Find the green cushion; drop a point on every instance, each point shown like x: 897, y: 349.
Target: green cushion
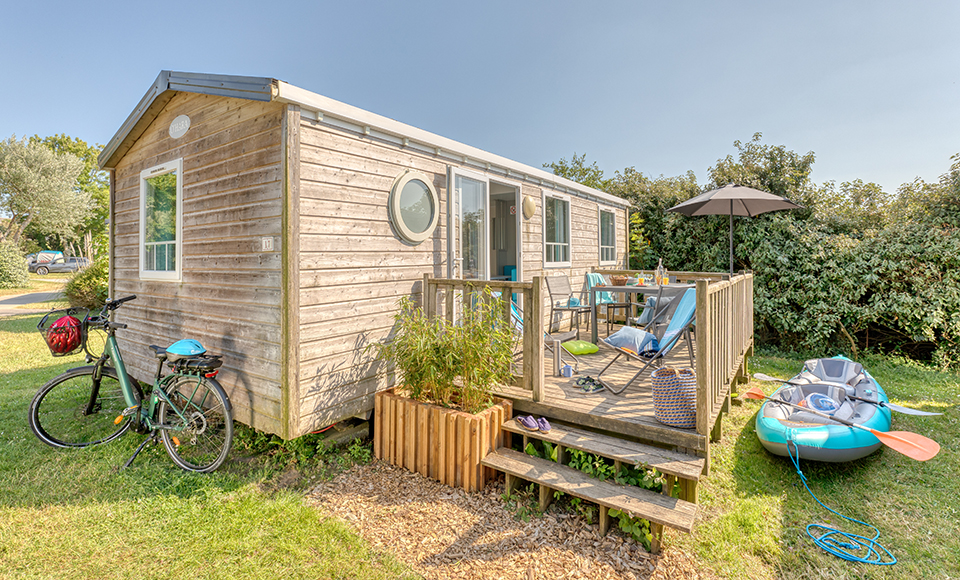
x: 580, y: 347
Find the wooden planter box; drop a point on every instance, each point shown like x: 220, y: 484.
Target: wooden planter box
x: 437, y: 442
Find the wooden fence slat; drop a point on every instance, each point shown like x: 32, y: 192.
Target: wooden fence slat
x: 410, y: 437
x: 451, y: 454
x: 377, y: 424
x: 422, y: 439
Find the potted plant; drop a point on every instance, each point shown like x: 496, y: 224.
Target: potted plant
x: 442, y: 418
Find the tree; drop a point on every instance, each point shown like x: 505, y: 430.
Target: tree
x: 578, y: 170
x: 37, y: 188
x: 93, y: 232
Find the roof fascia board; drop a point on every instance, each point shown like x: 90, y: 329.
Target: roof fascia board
x: 429, y: 142
x: 160, y: 93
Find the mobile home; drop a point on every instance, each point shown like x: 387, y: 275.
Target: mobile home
x: 280, y: 228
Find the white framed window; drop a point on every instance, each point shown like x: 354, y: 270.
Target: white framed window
x: 608, y: 237
x: 161, y: 221
x: 556, y: 230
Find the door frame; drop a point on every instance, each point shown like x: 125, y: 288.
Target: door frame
x: 455, y: 219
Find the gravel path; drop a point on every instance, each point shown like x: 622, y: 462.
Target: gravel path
x: 441, y: 532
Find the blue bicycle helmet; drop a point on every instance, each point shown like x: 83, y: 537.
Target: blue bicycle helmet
x: 184, y: 348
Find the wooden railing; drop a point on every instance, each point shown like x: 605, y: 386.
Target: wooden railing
x: 724, y: 330
x: 444, y: 296
x: 724, y: 339
x: 724, y: 336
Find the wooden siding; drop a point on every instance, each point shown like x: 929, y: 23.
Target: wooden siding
x: 585, y: 240
x: 230, y: 294
x: 353, y: 266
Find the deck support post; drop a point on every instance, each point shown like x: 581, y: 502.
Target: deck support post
x: 717, y: 432
x: 604, y: 520
x: 546, y: 496
x: 656, y: 530
x: 510, y: 484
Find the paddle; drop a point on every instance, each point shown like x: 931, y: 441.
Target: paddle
x: 891, y: 406
x: 912, y: 445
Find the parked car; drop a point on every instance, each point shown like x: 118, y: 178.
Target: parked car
x: 59, y: 265
x: 43, y: 256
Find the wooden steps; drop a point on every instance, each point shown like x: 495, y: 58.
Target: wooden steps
x: 676, y: 466
x: 659, y: 509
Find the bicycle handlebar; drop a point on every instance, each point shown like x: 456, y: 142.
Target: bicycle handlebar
x: 114, y: 304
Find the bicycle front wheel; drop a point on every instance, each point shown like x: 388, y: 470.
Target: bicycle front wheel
x: 197, y: 429
x: 73, y: 410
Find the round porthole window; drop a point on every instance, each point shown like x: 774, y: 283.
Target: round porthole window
x: 414, y: 206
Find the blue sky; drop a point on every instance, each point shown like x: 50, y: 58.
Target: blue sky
x: 665, y: 87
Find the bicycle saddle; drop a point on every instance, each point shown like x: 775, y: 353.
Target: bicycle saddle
x: 182, y: 349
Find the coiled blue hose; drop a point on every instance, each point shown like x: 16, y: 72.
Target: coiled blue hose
x: 842, y: 544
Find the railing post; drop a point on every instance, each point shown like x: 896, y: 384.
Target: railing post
x: 704, y: 347
x: 429, y: 297
x: 533, y: 340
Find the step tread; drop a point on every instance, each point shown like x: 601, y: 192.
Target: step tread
x: 649, y: 505
x: 670, y: 462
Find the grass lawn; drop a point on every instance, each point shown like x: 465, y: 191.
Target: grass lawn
x: 73, y: 514
x: 756, y: 508
x: 48, y: 283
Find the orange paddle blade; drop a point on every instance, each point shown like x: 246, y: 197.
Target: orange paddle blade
x: 753, y: 393
x: 913, y: 445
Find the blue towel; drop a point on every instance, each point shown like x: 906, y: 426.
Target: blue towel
x: 594, y: 280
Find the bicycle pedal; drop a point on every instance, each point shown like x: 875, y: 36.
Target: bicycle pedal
x: 125, y: 413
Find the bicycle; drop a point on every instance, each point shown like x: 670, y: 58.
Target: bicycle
x: 187, y: 409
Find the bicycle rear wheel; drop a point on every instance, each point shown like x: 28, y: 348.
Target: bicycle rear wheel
x: 197, y: 430
x: 59, y: 412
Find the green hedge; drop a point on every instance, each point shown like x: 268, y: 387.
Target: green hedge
x: 896, y: 289
x: 856, y: 268
x: 13, y: 267
x: 88, y: 287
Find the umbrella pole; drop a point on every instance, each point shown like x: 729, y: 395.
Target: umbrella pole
x: 731, y: 237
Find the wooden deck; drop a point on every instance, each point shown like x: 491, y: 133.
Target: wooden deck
x: 628, y: 414
x: 724, y: 341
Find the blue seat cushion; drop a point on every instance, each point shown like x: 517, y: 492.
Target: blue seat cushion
x: 634, y: 340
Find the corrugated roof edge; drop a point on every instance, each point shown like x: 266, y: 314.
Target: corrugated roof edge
x: 267, y: 89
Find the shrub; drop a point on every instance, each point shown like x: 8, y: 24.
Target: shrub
x: 13, y: 268
x: 88, y: 288
x: 453, y: 365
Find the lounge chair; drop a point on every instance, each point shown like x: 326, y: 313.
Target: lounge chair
x: 681, y: 313
x: 563, y: 300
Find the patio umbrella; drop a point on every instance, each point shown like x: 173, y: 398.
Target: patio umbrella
x: 733, y: 200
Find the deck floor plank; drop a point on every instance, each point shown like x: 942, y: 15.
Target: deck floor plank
x: 629, y: 413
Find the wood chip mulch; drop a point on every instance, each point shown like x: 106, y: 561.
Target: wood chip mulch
x: 441, y: 532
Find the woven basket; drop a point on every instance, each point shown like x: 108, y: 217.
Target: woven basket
x: 675, y: 397
x: 618, y: 280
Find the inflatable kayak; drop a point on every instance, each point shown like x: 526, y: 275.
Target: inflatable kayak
x: 826, y: 385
